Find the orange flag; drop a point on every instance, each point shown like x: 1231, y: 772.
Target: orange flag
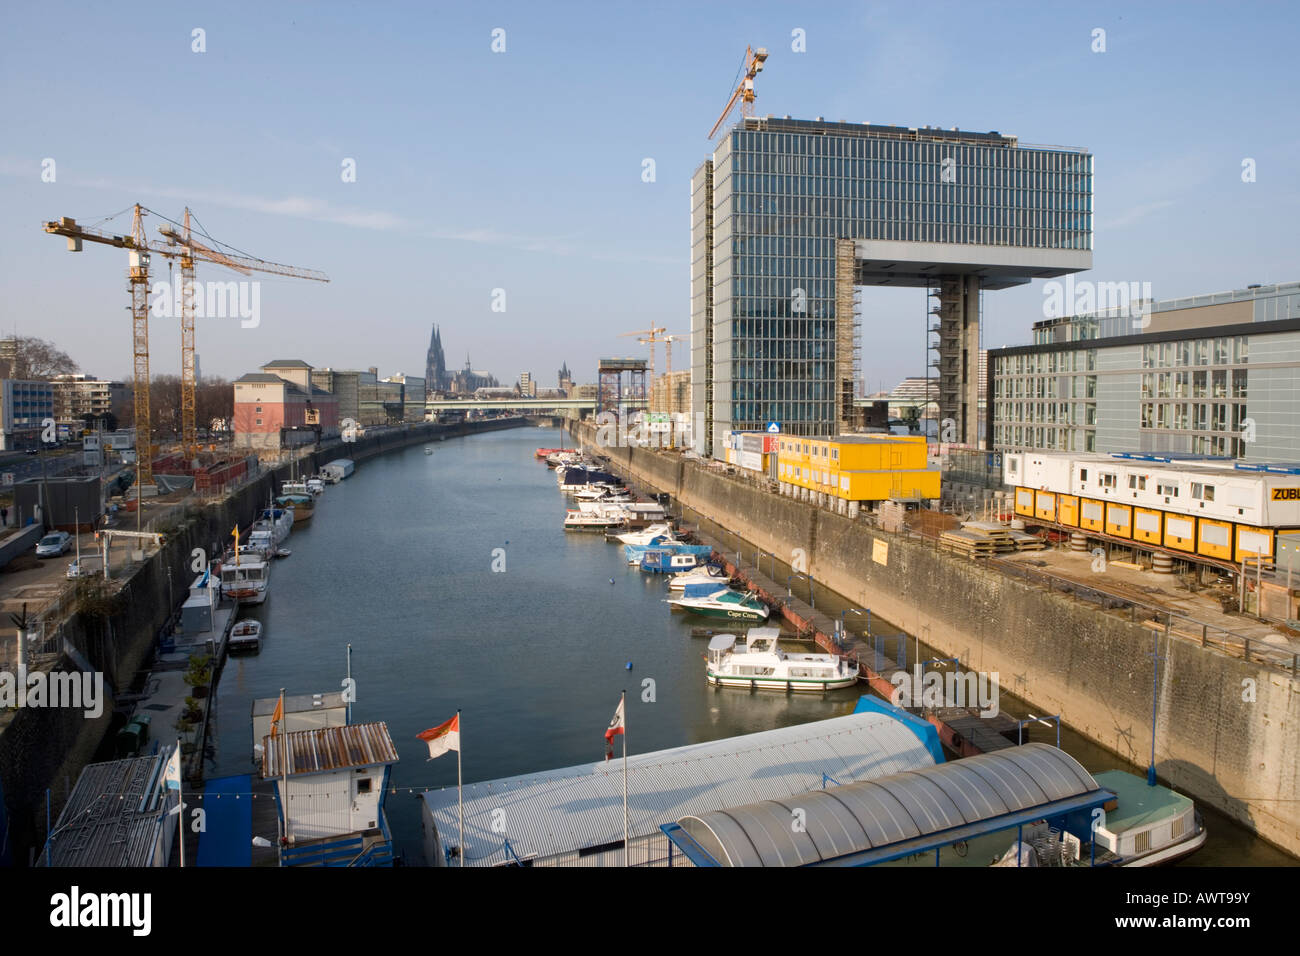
x: 277, y: 716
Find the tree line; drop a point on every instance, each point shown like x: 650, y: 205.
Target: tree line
x: 32, y: 359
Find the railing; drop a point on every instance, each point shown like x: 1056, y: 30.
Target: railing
x: 350, y: 851
x: 1179, y: 625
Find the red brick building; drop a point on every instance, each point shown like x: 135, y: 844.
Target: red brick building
x: 279, y: 407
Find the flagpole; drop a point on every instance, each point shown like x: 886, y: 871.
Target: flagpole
x: 284, y: 773
x: 460, y: 793
x: 627, y: 850
x: 180, y: 798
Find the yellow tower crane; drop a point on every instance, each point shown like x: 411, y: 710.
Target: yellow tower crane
x: 191, y: 249
x: 654, y: 336
x: 744, y: 93
x: 182, y: 246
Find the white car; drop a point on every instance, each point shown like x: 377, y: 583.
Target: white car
x: 54, y: 545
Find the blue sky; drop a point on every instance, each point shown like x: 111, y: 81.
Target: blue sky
x: 522, y: 170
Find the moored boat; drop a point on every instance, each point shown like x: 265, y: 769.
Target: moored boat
x: 650, y: 535
x: 246, y: 635
x: 759, y: 663
x: 590, y: 521
x: 669, y: 561
x: 337, y: 470
x: 635, y: 552
x: 1146, y: 825
x: 703, y: 574
x: 279, y: 521
x: 245, y: 578
x: 301, y: 504
x: 708, y: 600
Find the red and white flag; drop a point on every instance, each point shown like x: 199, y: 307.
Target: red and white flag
x: 444, y: 737
x: 615, y: 728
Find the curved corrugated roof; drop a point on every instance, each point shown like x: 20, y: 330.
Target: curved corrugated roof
x: 559, y: 811
x: 872, y: 814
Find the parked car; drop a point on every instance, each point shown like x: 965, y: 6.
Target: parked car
x: 54, y: 545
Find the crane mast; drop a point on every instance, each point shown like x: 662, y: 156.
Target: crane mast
x: 180, y: 245
x: 744, y: 93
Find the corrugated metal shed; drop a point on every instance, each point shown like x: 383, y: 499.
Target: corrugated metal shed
x: 329, y: 748
x: 116, y: 816
x: 574, y: 808
x: 878, y: 815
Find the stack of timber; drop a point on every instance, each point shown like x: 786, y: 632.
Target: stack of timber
x: 979, y: 539
x: 1027, y: 542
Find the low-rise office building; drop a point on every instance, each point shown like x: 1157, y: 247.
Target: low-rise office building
x: 1207, y: 375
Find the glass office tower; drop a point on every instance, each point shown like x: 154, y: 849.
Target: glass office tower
x: 768, y: 294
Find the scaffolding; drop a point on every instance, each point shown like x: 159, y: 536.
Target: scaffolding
x: 848, y: 334
x: 613, y: 392
x: 956, y: 356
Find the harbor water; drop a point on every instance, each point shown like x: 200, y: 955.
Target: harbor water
x: 451, y: 577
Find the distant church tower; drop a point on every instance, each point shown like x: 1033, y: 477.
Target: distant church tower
x: 435, y: 365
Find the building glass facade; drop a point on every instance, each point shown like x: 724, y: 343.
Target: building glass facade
x: 1184, y: 388
x: 783, y: 192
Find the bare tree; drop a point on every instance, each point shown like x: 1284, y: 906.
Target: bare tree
x: 24, y: 357
x: 214, y: 400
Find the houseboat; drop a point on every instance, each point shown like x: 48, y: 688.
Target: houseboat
x: 708, y: 600
x: 245, y: 578
x: 337, y: 470
x: 760, y: 664
x: 591, y: 521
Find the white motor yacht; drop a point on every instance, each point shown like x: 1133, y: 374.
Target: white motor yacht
x: 760, y: 663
